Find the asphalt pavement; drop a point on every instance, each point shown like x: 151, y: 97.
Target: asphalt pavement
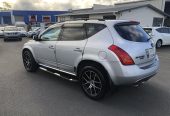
x: 44, y: 94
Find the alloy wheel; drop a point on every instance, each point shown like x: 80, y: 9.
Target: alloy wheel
x: 91, y: 83
x: 27, y: 60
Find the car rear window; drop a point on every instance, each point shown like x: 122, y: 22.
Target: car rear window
x: 163, y: 30
x: 131, y: 32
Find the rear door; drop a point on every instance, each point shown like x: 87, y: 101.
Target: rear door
x: 135, y: 41
x: 70, y: 47
x: 165, y: 35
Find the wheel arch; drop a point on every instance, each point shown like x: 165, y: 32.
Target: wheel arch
x: 160, y: 40
x: 96, y: 64
x: 30, y: 49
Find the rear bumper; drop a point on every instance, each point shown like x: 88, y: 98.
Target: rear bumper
x: 1, y: 35
x: 122, y: 75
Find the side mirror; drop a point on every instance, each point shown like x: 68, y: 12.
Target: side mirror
x: 36, y: 38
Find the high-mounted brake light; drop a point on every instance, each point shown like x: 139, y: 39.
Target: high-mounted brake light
x: 123, y: 56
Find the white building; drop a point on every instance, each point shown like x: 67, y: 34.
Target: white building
x: 146, y: 14
x: 160, y: 4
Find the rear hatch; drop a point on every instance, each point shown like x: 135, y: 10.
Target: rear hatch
x: 136, y: 42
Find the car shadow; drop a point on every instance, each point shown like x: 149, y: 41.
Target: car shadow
x: 12, y: 41
x: 149, y: 97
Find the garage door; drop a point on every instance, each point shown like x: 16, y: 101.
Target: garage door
x: 19, y: 18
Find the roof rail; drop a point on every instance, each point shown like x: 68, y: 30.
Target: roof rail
x: 85, y: 19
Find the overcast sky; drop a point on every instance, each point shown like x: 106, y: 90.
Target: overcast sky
x: 57, y: 4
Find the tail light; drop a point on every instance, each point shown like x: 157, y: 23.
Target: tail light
x: 122, y: 55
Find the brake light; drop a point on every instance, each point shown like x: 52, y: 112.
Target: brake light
x: 122, y: 55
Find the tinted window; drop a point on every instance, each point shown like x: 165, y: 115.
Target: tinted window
x: 51, y: 34
x: 163, y: 30
x: 132, y: 32
x: 148, y: 30
x: 73, y: 33
x: 92, y: 29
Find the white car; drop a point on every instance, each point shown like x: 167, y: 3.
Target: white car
x: 12, y: 33
x: 160, y: 35
x: 1, y: 31
x: 22, y: 31
x: 33, y: 32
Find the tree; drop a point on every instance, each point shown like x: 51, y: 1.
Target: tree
x: 5, y: 6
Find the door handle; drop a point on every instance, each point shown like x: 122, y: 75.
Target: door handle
x: 77, y: 50
x: 51, y: 47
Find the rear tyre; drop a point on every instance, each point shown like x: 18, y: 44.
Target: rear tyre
x: 29, y: 62
x: 93, y: 82
x: 159, y: 44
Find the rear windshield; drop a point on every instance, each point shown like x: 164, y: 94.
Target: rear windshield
x: 11, y: 29
x: 132, y: 32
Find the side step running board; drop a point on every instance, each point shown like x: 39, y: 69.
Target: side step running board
x: 64, y: 76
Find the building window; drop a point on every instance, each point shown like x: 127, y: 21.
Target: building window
x: 33, y: 18
x: 62, y: 19
x: 157, y: 22
x: 110, y: 17
x: 80, y: 17
x: 46, y: 19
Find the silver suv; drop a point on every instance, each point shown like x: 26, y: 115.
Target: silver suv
x: 101, y: 54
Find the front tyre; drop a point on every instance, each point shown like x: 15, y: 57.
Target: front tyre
x: 29, y: 61
x: 93, y: 82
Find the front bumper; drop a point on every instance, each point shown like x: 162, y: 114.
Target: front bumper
x: 12, y: 37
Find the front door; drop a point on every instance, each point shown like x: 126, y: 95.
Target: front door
x: 45, y: 48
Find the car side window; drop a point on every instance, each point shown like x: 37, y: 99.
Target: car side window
x: 163, y: 30
x: 92, y: 29
x: 72, y: 33
x: 51, y: 34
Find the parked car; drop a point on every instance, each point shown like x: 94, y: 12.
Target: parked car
x: 101, y: 54
x: 34, y: 32
x: 22, y: 31
x: 160, y: 35
x: 1, y: 31
x: 12, y: 33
